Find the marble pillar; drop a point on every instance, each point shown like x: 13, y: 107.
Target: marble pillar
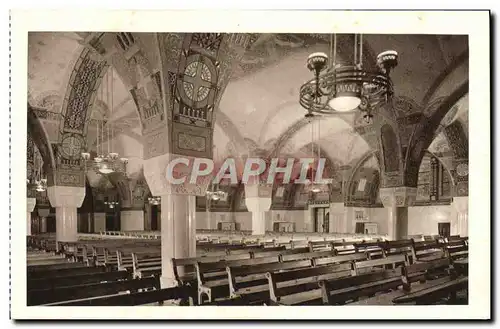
x: 30, y: 206
x: 99, y: 222
x: 258, y: 202
x: 66, y: 200
x: 132, y: 220
x: 460, y: 216
x: 397, y: 200
x: 177, y: 216
x: 338, y: 218
x: 178, y: 232
x: 43, y: 213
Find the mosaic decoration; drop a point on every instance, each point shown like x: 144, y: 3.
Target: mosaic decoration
x: 457, y: 140
x: 389, y: 148
x: 82, y: 87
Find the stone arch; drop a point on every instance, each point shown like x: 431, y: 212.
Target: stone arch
x: 390, y: 148
x: 356, y: 166
x: 445, y: 166
x: 41, y: 139
x: 424, y: 133
x: 80, y: 94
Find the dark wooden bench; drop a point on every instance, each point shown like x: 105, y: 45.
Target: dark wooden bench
x: 390, y: 262
x: 435, y: 293
x: 72, y: 280
x: 371, y: 248
x: 286, y: 257
x: 49, y: 273
x: 344, y: 290
x: 356, y: 257
x: 301, y: 287
x: 398, y: 247
x: 427, y: 250
x: 213, y: 280
x: 250, y: 282
x: 60, y: 294
x: 146, y: 263
x: 139, y: 298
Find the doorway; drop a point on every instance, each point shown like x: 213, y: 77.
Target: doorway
x: 444, y: 229
x: 322, y: 220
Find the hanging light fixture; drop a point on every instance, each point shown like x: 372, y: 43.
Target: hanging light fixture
x: 111, y: 204
x: 215, y: 194
x: 343, y: 88
x: 106, y: 164
x: 156, y: 200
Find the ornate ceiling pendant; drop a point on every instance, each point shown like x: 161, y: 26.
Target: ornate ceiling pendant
x: 154, y: 201
x: 345, y: 88
x: 110, y: 163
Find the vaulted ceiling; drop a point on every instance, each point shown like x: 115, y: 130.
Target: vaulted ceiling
x: 260, y: 106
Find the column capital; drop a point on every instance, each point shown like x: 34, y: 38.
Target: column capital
x: 30, y: 204
x: 401, y: 196
x: 461, y: 203
x: 264, y: 191
x: 43, y: 212
x: 66, y: 196
x: 155, y: 172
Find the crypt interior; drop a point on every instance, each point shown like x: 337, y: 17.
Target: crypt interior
x: 108, y: 111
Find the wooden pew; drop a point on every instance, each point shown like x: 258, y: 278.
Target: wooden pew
x: 351, y: 258
x: 344, y: 290
x: 98, y: 289
x: 250, y: 284
x: 398, y: 247
x: 213, y: 280
x: 390, y: 262
x: 435, y: 293
x: 301, y: 287
x: 286, y: 257
x: 72, y: 280
x: 157, y: 296
x: 49, y: 273
x: 426, y: 250
x: 371, y: 248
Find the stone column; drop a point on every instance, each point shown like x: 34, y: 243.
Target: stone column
x: 30, y: 206
x: 132, y: 220
x: 66, y: 199
x: 258, y: 202
x: 43, y: 213
x: 178, y: 215
x: 178, y: 232
x: 99, y: 222
x: 338, y: 218
x: 397, y: 200
x: 460, y: 216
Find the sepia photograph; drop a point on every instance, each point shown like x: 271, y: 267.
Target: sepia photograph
x: 250, y: 167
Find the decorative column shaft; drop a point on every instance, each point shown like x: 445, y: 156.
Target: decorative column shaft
x: 178, y: 214
x: 258, y: 201
x: 178, y: 232
x: 43, y: 213
x: 66, y: 200
x: 132, y: 220
x: 460, y: 220
x: 397, y: 200
x: 30, y: 206
x: 338, y: 218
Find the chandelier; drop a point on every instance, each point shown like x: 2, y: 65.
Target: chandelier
x: 111, y: 204
x: 344, y: 88
x: 156, y: 200
x: 215, y: 194
x: 105, y: 164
